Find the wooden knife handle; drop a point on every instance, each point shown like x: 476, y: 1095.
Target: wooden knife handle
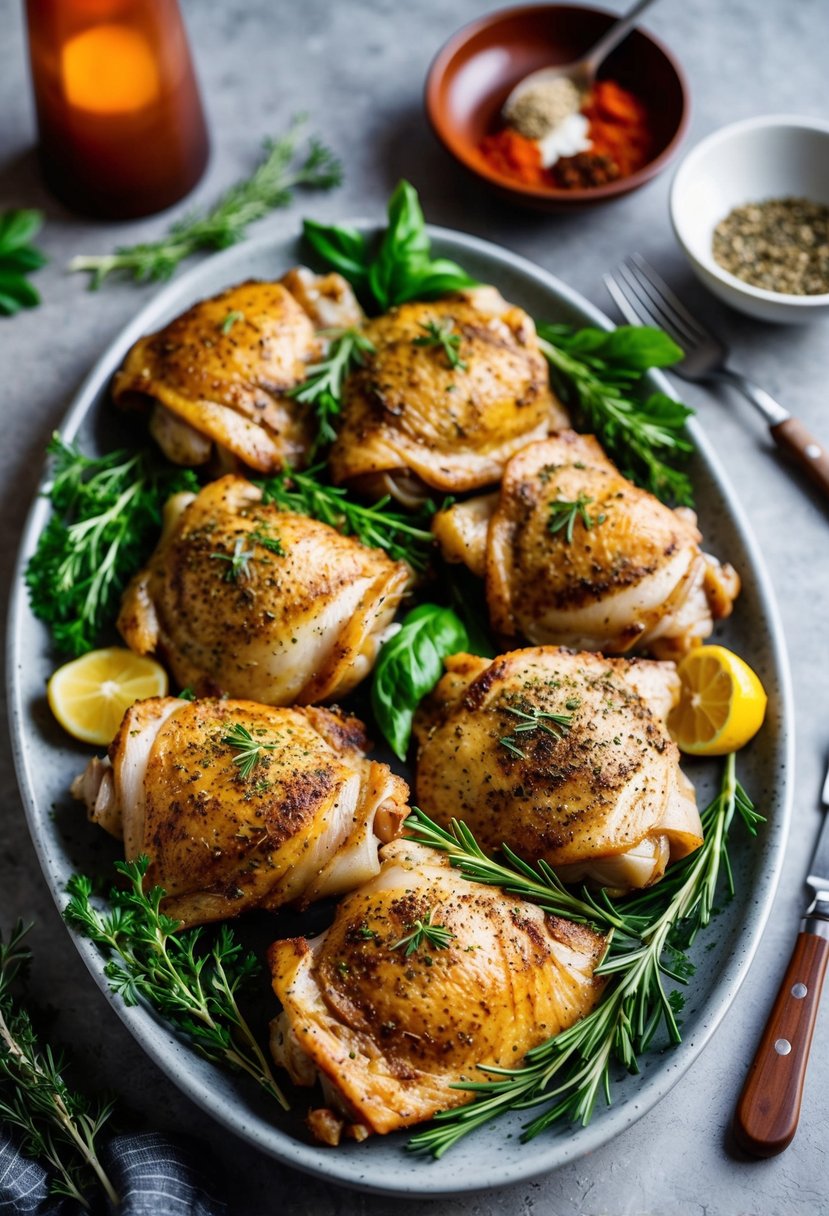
x: 769, y: 1107
x: 807, y: 451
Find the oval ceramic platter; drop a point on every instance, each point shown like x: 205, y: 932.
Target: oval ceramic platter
x: 47, y: 760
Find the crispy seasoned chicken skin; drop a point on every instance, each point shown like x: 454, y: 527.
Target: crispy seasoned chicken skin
x: 305, y: 822
x: 215, y: 378
x: 411, y: 422
x: 598, y: 796
x: 388, y: 1032
x: 635, y: 579
x: 244, y: 599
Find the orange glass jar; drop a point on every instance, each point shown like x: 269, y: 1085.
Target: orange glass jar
x: 122, y: 129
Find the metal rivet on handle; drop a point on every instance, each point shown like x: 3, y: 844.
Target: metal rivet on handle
x: 799, y: 991
x: 812, y: 451
x: 782, y: 1047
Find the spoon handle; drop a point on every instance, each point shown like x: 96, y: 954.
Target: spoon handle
x: 593, y: 59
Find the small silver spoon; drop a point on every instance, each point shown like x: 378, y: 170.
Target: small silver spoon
x: 583, y: 71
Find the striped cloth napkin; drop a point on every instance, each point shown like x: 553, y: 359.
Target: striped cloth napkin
x: 153, y: 1174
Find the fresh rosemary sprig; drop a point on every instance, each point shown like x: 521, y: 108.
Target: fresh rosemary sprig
x: 563, y: 516
x: 567, y: 1073
x: 230, y: 320
x: 599, y: 373
x: 238, y: 562
x: 18, y: 258
x: 271, y: 185
x: 535, y: 719
x: 192, y: 985
x: 323, y: 388
x: 249, y: 750
x: 424, y: 931
x: 441, y: 334
x: 57, y: 1125
x: 404, y: 537
x: 106, y: 512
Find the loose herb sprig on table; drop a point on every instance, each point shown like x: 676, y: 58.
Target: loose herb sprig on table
x: 402, y: 267
x: 57, y: 1125
x: 106, y: 512
x: 18, y: 258
x: 323, y: 386
x: 191, y: 983
x: 404, y: 537
x: 567, y: 1073
x: 599, y: 373
x: 271, y: 185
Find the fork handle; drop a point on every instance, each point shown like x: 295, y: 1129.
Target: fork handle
x: 769, y: 1107
x: 793, y: 438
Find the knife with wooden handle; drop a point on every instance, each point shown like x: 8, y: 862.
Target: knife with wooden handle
x: 769, y: 1107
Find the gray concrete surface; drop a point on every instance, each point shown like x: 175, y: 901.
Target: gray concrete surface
x: 359, y: 67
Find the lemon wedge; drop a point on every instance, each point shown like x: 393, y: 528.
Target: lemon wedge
x: 721, y: 703
x: 90, y: 695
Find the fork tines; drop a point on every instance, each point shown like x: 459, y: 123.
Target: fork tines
x: 637, y: 288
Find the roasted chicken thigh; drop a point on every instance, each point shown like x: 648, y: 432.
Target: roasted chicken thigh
x: 244, y: 599
x: 389, y: 1020
x: 302, y: 819
x: 563, y: 757
x: 453, y: 389
x: 215, y: 378
x: 575, y: 555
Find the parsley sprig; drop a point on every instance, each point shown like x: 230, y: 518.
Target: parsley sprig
x: 271, y: 185
x: 106, y: 512
x: 191, y: 984
x: 57, y: 1125
x: 323, y: 387
x: 249, y: 749
x: 649, y: 932
x: 423, y: 930
x: 404, y: 537
x: 599, y: 373
x: 18, y: 258
x: 563, y: 516
x: 441, y: 334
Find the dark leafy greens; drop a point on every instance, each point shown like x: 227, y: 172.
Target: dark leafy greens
x: 18, y: 258
x: 401, y: 268
x: 409, y: 667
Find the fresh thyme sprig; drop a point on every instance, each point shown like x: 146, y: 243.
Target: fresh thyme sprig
x: 106, y: 512
x: 404, y: 537
x: 535, y: 719
x: 238, y: 562
x: 190, y: 983
x: 423, y: 930
x: 323, y: 388
x: 567, y: 1073
x: 563, y: 516
x: 249, y: 750
x: 57, y: 1125
x: 599, y: 374
x: 442, y: 334
x: 271, y: 185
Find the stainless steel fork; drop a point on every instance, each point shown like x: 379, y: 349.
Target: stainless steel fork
x: 643, y: 298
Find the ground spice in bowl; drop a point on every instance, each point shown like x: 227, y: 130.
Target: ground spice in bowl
x: 779, y: 244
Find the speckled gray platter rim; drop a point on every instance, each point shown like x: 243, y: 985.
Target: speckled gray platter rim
x: 493, y: 1156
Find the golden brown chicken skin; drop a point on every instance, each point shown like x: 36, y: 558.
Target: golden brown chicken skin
x: 412, y: 422
x: 621, y: 572
x: 215, y: 378
x: 304, y: 821
x: 565, y: 758
x: 245, y: 599
x: 388, y: 1028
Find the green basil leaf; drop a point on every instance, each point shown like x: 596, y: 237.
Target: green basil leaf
x: 18, y: 227
x: 343, y: 248
x: 8, y: 305
x: 24, y: 259
x: 633, y: 348
x: 408, y: 668
x: 19, y: 288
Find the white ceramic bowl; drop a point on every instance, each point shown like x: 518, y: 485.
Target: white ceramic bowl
x: 774, y: 156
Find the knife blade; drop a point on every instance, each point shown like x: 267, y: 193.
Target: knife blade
x: 768, y: 1110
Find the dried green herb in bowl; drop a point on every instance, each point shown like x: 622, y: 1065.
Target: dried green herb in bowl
x: 779, y: 244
